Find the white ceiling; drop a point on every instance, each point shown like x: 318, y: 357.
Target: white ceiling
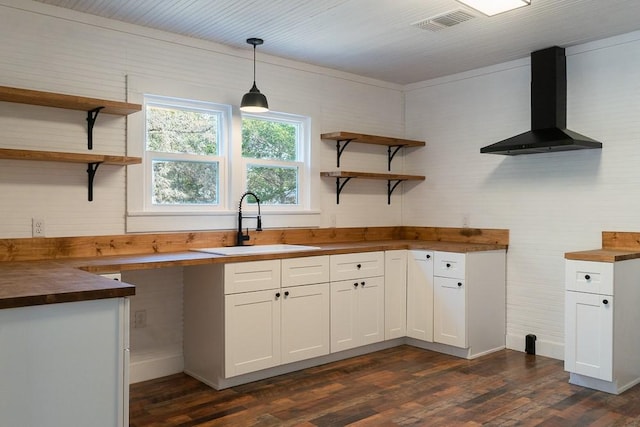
x: 376, y: 38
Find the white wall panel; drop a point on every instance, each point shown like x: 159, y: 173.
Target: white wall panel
x: 551, y: 203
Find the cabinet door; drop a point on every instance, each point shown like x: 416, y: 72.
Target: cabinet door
x: 344, y: 334
x: 252, y: 331
x: 370, y: 310
x: 420, y: 295
x: 305, y: 322
x: 395, y: 290
x: 589, y: 335
x: 449, y: 312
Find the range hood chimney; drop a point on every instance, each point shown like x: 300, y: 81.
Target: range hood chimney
x: 548, y: 111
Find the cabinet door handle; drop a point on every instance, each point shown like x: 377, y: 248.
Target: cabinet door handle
x: 362, y: 283
x: 286, y: 293
x: 448, y: 265
x: 359, y: 266
x: 277, y: 295
x: 428, y: 256
x: 605, y: 301
x: 459, y: 284
x: 587, y: 277
x: 355, y: 285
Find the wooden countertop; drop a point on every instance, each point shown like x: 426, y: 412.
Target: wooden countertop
x: 603, y: 255
x: 30, y: 283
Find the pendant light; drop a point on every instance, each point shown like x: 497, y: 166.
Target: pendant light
x: 254, y: 101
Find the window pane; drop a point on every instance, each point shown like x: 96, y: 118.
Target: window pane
x: 274, y: 185
x: 182, y: 131
x: 269, y: 139
x: 180, y: 182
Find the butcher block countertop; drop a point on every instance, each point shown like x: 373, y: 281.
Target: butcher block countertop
x: 59, y: 280
x: 616, y: 246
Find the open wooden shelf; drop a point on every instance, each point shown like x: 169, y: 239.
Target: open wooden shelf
x: 371, y: 175
x: 372, y: 139
x: 69, y: 102
x: 55, y: 156
x: 342, y: 177
x: 91, y: 106
x: 394, y: 144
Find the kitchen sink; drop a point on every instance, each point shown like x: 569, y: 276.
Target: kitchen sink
x: 256, y: 249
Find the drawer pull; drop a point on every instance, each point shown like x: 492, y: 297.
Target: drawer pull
x: 459, y: 284
x: 359, y: 266
x: 428, y: 256
x: 448, y: 265
x: 605, y: 301
x: 587, y: 277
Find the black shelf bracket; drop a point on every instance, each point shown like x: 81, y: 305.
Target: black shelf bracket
x: 340, y: 149
x: 391, y: 155
x: 391, y: 188
x: 91, y: 171
x: 339, y: 187
x: 92, y: 115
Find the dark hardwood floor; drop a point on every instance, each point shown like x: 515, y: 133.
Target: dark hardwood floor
x: 402, y: 386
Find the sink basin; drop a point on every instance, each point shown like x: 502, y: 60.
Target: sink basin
x: 257, y: 249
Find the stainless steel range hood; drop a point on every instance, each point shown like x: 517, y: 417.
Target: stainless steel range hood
x: 548, y: 111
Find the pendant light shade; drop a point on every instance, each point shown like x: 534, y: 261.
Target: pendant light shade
x: 254, y: 101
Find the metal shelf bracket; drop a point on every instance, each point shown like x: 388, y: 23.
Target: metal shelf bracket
x: 340, y: 149
x: 391, y: 188
x: 339, y: 188
x: 391, y: 155
x: 92, y: 168
x: 92, y: 115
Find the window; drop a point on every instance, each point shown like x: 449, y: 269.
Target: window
x: 184, y: 143
x: 273, y: 158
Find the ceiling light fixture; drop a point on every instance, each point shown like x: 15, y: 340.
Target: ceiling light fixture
x: 493, y: 7
x: 254, y: 101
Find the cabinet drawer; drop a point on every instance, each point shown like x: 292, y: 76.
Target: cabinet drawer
x: 589, y: 276
x: 355, y: 266
x: 449, y: 264
x: 305, y: 271
x: 251, y: 276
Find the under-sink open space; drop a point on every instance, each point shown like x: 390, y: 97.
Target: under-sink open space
x: 256, y: 249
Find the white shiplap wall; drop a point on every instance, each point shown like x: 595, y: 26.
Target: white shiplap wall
x: 57, y: 50
x: 551, y: 203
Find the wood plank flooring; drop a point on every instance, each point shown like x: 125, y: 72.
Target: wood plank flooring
x: 402, y: 386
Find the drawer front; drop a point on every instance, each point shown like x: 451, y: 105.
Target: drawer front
x: 305, y: 271
x: 251, y: 276
x: 355, y: 266
x: 589, y: 276
x: 449, y: 264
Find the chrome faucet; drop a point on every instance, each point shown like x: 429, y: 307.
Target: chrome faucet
x: 241, y: 237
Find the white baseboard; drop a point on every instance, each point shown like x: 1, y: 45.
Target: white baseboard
x: 545, y: 348
x: 155, y: 367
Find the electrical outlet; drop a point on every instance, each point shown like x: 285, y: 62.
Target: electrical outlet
x: 37, y: 227
x: 140, y: 319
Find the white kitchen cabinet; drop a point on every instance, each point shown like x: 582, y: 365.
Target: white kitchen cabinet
x: 420, y: 295
x: 239, y: 319
x: 602, y: 338
x: 357, y: 301
x: 357, y: 313
x: 65, y: 364
x: 395, y: 294
x: 252, y: 331
x: 469, y: 301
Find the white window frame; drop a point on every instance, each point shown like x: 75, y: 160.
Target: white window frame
x: 224, y: 112
x: 302, y: 163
